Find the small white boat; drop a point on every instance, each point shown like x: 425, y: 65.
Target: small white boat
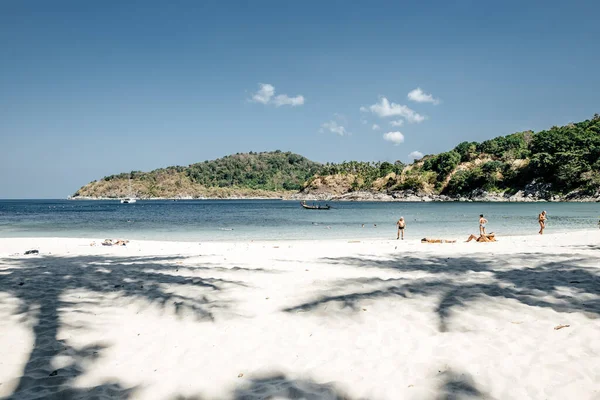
x: 130, y: 199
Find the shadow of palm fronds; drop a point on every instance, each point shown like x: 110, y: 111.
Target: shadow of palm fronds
x: 43, y: 286
x: 571, y: 285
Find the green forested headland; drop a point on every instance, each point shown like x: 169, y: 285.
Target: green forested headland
x: 265, y: 174
x: 564, y: 159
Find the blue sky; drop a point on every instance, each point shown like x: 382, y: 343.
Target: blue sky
x: 92, y: 88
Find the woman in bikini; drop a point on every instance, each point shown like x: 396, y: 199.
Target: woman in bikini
x: 482, y: 222
x: 490, y: 237
x: 542, y: 221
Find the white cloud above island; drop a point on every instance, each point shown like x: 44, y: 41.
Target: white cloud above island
x: 266, y: 95
x: 415, y: 155
x: 334, y: 127
x: 384, y: 108
x: 419, y: 96
x: 394, y: 137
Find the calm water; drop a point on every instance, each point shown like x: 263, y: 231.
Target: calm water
x: 193, y: 220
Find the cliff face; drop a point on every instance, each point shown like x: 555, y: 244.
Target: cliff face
x: 331, y: 185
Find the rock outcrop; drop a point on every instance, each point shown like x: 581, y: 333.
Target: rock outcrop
x: 532, y: 192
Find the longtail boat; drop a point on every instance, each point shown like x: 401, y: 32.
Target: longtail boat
x: 325, y: 207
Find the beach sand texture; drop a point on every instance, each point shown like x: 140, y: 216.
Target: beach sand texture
x: 301, y: 319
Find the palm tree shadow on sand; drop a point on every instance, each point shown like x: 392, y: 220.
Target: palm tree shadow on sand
x: 457, y: 386
x: 539, y: 284
x: 149, y: 278
x: 451, y: 385
x: 42, y: 303
x: 279, y: 386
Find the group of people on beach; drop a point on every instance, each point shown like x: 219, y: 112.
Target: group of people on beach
x: 483, y: 236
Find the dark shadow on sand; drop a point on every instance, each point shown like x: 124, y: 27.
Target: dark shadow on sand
x: 457, y: 386
x: 152, y: 278
x: 452, y: 386
x: 538, y: 284
x: 279, y: 386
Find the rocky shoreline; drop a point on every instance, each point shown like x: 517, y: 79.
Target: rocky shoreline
x: 533, y: 192
x: 414, y: 197
x: 402, y: 196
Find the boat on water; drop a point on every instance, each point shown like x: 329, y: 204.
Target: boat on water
x: 325, y: 207
x: 130, y: 199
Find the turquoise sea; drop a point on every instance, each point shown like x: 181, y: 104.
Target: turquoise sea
x: 202, y: 220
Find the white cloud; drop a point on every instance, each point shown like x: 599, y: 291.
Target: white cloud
x: 375, y: 127
x: 394, y: 137
x: 415, y: 155
x: 420, y: 96
x: 398, y: 122
x: 386, y: 109
x: 266, y: 95
x: 285, y: 100
x: 334, y: 127
x: 363, y: 121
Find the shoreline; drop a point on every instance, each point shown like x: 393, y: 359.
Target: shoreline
x: 85, y: 241
x: 375, y: 239
x: 424, y: 199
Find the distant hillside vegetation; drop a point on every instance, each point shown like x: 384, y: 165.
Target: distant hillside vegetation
x: 266, y: 174
x: 564, y: 159
x: 556, y: 161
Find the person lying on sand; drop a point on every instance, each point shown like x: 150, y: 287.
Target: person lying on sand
x: 429, y: 240
x: 119, y: 242
x: 490, y: 237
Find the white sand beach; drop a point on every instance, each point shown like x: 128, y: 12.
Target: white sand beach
x: 301, y: 319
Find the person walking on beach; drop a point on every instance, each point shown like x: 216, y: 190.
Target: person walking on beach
x: 401, y: 224
x: 542, y: 221
x: 482, y: 222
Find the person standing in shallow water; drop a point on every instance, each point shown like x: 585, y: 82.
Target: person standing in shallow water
x: 401, y: 224
x: 482, y: 222
x: 542, y: 221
